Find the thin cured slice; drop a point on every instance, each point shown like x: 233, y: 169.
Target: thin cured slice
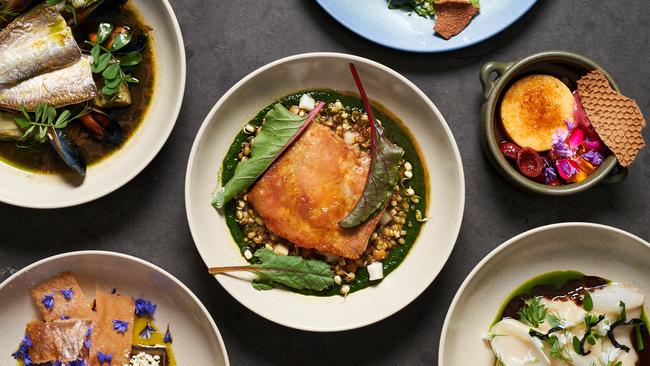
x: 310, y: 189
x: 60, y: 340
x: 453, y: 16
x: 105, y: 338
x: 67, y: 299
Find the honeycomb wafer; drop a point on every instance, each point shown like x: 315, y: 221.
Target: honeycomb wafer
x: 617, y: 119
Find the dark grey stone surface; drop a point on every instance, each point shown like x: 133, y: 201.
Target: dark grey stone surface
x: 225, y: 40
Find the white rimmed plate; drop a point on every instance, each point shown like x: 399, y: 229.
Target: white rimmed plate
x: 398, y: 95
x: 27, y: 189
x: 196, y: 338
x: 592, y: 249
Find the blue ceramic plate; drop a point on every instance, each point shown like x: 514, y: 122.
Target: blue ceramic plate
x: 404, y: 30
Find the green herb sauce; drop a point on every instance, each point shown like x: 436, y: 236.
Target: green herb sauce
x: 396, y: 133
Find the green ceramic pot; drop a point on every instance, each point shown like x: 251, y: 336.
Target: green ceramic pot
x: 496, y: 77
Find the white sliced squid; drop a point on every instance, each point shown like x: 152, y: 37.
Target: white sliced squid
x: 513, y: 345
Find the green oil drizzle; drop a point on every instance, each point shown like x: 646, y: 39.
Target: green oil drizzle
x: 396, y: 132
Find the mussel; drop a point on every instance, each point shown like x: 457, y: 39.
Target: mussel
x: 67, y: 151
x: 98, y: 7
x: 103, y: 127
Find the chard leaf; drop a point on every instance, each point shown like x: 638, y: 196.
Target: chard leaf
x: 279, y: 130
x: 291, y: 271
x: 384, y: 169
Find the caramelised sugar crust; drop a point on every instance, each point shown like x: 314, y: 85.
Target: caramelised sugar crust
x: 453, y: 16
x: 77, y: 307
x: 104, y: 337
x: 59, y: 340
x: 310, y: 189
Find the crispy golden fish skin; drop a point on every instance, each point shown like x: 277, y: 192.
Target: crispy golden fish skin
x: 37, y: 42
x: 71, y: 85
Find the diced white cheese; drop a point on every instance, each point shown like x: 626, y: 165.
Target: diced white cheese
x: 307, y: 103
x: 376, y: 271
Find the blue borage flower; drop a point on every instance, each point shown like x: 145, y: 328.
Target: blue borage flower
x: 146, y: 332
x: 168, y: 336
x: 67, y: 294
x: 144, y: 308
x: 120, y: 326
x: 104, y: 358
x: 87, y: 337
x: 23, y: 351
x: 48, y: 301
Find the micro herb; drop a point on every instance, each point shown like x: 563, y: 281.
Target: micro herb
x: 7, y: 13
x: 532, y: 313
x: 557, y: 350
x: 35, y: 125
x: 590, y: 322
x: 587, y: 302
x: 623, y: 315
x: 110, y: 40
x: 553, y: 320
x: 291, y: 271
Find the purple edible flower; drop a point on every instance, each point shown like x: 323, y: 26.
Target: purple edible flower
x: 560, y: 147
x: 64, y: 317
x: 48, y: 301
x: 104, y: 358
x: 147, y: 331
x: 77, y: 363
x: 67, y: 294
x: 168, y: 336
x: 87, y: 336
x: 120, y: 326
x: 144, y: 308
x: 570, y: 125
x: 550, y: 174
x: 594, y: 157
x: 23, y: 351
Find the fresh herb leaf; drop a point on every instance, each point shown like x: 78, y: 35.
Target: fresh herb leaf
x: 557, y: 350
x: 533, y: 312
x: 279, y: 130
x: 291, y: 271
x: 120, y: 41
x: 35, y: 127
x: 576, y: 345
x: 384, y: 168
x: 553, y: 320
x: 623, y: 315
x: 131, y: 59
x: 587, y: 302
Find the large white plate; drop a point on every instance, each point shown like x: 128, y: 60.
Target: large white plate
x: 27, y: 189
x: 196, y: 338
x: 592, y: 249
x: 441, y: 158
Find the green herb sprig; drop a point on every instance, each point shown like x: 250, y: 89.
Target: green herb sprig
x: 7, y: 13
x: 533, y: 313
x: 35, y: 125
x: 107, y: 64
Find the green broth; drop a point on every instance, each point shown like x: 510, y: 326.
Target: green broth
x: 396, y: 132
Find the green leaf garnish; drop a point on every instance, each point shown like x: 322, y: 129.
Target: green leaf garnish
x: 557, y: 350
x: 131, y: 59
x: 291, y: 271
x: 45, y: 116
x: 533, y: 312
x: 576, y: 345
x: 280, y: 129
x: 384, y: 168
x: 553, y: 320
x: 587, y: 302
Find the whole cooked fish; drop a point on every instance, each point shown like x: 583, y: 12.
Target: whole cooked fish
x: 71, y: 85
x: 36, y: 42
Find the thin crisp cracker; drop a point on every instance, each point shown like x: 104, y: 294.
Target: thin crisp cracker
x: 104, y: 337
x: 77, y: 307
x: 617, y: 119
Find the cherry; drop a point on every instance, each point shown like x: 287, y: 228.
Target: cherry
x: 509, y: 150
x: 530, y: 163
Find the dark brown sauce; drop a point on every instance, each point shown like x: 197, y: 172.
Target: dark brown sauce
x: 43, y: 159
x: 572, y: 290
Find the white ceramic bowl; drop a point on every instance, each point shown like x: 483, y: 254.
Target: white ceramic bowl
x: 441, y: 158
x: 592, y: 249
x: 27, y: 189
x: 196, y: 338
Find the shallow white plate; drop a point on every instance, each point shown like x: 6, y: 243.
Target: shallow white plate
x: 196, y: 338
x: 27, y: 189
x: 592, y: 249
x: 441, y: 158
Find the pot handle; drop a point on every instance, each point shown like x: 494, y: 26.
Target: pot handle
x: 499, y: 68
x: 617, y: 176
